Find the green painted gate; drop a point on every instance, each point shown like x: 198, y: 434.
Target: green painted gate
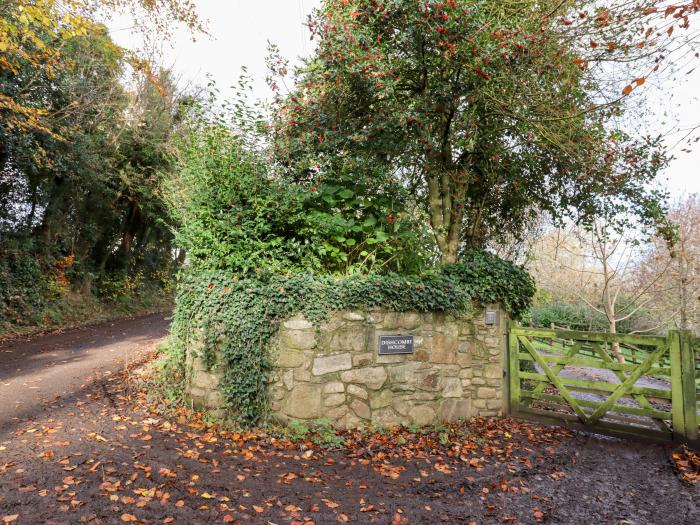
x: 574, y: 379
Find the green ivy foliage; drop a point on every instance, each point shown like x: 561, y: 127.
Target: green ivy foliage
x: 236, y: 211
x: 238, y: 317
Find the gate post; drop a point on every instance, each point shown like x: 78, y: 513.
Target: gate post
x: 690, y: 410
x: 677, y: 404
x: 513, y: 376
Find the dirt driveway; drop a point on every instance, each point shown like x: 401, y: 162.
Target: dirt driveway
x: 111, y: 451
x: 39, y: 370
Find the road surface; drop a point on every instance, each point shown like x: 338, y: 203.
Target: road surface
x: 44, y: 369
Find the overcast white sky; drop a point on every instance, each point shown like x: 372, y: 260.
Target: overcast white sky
x: 240, y: 30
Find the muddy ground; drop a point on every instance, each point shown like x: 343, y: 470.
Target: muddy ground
x: 108, y: 453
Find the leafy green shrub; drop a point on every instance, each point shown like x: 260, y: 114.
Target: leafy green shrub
x: 23, y: 288
x: 569, y: 316
x: 579, y: 316
x: 238, y: 316
x: 236, y: 213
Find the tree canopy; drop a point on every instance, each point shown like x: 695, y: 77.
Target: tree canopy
x: 486, y: 110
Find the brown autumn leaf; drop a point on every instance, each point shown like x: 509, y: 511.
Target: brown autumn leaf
x: 343, y: 518
x: 330, y: 504
x: 129, y: 518
x: 627, y: 90
x: 11, y: 518
x: 257, y: 509
x: 168, y: 520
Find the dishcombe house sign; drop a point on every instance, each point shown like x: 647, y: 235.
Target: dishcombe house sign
x: 395, y: 344
x: 380, y: 367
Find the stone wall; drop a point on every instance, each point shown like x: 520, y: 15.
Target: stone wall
x: 334, y: 370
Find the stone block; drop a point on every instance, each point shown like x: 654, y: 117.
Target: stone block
x: 381, y: 399
x: 354, y: 316
x: 197, y: 392
x: 357, y: 391
x: 444, y: 349
x: 288, y: 379
x: 215, y: 399
x: 350, y: 420
x: 401, y: 405
x: 466, y: 373
x: 302, y: 375
x: 422, y: 414
x: 298, y: 323
x: 494, y: 404
x: 486, y: 393
x: 375, y: 317
x: 452, y: 388
x: 348, y: 339
x: 290, y: 358
x: 304, y: 401
x: 464, y: 360
x: 334, y: 388
x: 428, y: 379
x: 386, y: 416
x: 493, y: 372
x: 421, y: 355
x: 408, y: 320
x: 205, y: 380
x: 333, y: 400
x: 277, y: 393
x: 363, y: 359
x: 373, y: 377
x: 361, y: 409
x: 391, y: 359
x: 336, y: 413
x: 453, y: 409
x: 405, y: 372
x: 298, y: 339
x: 331, y: 363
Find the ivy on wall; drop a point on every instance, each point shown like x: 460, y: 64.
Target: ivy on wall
x: 236, y: 318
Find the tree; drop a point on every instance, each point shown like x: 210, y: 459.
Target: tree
x: 596, y: 267
x: 484, y: 109
x: 673, y: 268
x: 33, y: 38
x: 80, y: 202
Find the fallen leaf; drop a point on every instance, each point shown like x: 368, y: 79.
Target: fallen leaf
x: 128, y: 518
x: 330, y: 504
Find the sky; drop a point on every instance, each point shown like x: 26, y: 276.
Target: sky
x: 239, y: 31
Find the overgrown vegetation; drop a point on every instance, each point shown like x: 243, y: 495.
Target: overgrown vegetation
x: 82, y: 159
x: 237, y: 317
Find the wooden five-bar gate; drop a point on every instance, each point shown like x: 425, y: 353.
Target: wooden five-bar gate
x: 575, y: 379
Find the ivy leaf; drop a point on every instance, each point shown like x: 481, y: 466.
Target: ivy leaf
x: 370, y: 221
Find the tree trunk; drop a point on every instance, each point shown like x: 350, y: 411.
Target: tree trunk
x: 446, y: 214
x: 609, y: 302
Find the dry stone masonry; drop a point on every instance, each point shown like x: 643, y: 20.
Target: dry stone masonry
x: 334, y: 370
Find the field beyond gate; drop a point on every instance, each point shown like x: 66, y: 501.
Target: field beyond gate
x: 573, y: 379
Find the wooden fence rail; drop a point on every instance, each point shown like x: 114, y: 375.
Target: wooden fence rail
x: 573, y: 378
